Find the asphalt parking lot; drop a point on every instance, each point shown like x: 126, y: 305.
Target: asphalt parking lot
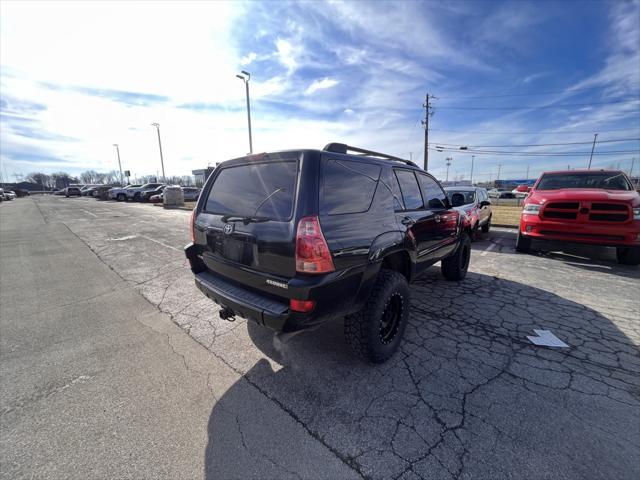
x: 468, y: 396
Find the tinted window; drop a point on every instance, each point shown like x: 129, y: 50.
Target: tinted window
x: 262, y: 189
x: 348, y: 187
x: 604, y: 180
x: 410, y: 189
x: 469, y: 196
x: 397, y: 194
x: 433, y: 194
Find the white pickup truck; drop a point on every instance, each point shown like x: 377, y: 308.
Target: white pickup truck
x: 120, y: 193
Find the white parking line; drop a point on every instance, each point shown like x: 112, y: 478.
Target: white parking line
x: 488, y: 249
x: 160, y: 243
x: 92, y: 214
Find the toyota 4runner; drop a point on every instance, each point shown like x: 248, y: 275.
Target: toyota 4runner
x: 292, y: 239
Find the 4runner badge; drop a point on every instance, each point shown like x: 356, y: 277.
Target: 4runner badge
x: 277, y: 284
x: 228, y: 228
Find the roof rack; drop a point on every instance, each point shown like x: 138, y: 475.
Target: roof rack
x: 343, y: 148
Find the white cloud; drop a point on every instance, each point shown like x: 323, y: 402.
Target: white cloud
x: 286, y: 54
x: 247, y: 59
x: 321, y: 85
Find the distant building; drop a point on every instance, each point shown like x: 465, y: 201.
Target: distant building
x: 201, y: 175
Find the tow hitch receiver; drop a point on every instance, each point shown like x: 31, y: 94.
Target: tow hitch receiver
x: 227, y: 314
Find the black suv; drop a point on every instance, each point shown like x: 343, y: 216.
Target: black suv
x: 292, y: 239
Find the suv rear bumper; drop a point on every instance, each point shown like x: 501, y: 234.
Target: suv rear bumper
x: 627, y: 234
x: 335, y: 294
x: 244, y: 303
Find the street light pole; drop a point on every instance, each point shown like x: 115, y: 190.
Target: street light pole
x: 595, y: 135
x: 245, y: 77
x: 449, y: 160
x: 157, y: 125
x: 119, y: 164
x: 472, y: 159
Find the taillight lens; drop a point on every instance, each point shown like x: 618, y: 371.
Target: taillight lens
x: 312, y: 251
x: 192, y: 226
x: 302, y: 306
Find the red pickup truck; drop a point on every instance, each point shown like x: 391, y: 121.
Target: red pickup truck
x: 597, y: 207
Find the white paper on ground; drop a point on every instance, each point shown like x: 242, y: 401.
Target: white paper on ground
x: 547, y: 339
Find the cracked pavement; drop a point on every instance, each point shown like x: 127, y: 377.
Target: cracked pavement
x: 468, y: 396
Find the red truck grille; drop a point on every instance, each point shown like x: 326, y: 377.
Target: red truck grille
x: 587, y: 212
x: 562, y: 210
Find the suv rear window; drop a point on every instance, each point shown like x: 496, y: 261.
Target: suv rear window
x: 348, y: 187
x: 255, y: 189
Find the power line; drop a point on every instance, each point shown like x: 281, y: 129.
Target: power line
x: 538, y: 107
x: 540, y: 132
x: 533, y: 154
x: 538, y: 144
x: 525, y: 94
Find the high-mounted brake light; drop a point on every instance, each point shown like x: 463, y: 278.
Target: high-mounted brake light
x: 192, y: 226
x: 312, y: 251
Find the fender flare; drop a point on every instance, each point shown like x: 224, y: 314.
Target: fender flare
x: 383, y: 245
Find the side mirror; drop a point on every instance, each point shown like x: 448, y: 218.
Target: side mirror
x: 485, y: 203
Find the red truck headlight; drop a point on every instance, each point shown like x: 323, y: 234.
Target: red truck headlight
x: 636, y: 213
x: 531, y: 209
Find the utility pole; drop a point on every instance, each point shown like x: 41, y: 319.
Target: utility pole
x: 428, y: 112
x: 498, y: 177
x: 157, y: 125
x: 595, y: 135
x: 527, y: 172
x: 119, y: 164
x: 245, y: 77
x: 633, y: 161
x: 449, y: 160
x: 472, y: 158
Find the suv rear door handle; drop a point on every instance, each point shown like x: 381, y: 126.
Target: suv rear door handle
x: 408, y: 221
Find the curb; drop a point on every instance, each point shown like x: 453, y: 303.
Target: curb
x: 502, y: 225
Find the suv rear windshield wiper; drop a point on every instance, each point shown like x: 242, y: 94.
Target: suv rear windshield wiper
x: 244, y: 219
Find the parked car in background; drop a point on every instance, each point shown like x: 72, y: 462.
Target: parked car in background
x: 120, y: 193
x: 102, y: 192
x: 474, y: 204
x: 147, y: 194
x: 1, y: 195
x: 72, y: 192
x: 191, y: 194
x: 156, y: 198
x: 136, y: 193
x: 496, y: 193
x: 521, y: 191
x: 595, y: 207
x: 9, y: 194
x: 22, y: 192
x: 60, y: 192
x: 292, y: 239
x: 88, y: 190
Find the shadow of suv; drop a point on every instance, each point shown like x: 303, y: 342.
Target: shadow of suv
x: 293, y: 239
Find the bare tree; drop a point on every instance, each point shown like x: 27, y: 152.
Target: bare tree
x: 62, y: 179
x: 41, y: 179
x: 90, y: 176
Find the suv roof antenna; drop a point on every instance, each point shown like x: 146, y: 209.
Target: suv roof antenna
x: 343, y: 148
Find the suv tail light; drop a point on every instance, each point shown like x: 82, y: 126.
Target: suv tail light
x: 192, y: 226
x: 302, y: 306
x: 312, y: 251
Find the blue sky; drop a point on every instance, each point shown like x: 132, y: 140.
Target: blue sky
x: 76, y: 78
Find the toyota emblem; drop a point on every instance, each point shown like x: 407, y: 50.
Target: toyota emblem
x: 228, y: 228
